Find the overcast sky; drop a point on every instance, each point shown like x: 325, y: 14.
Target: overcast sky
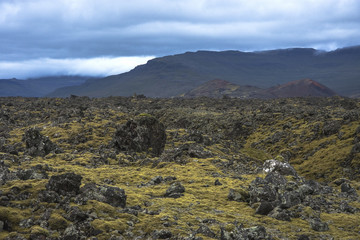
x: 102, y: 37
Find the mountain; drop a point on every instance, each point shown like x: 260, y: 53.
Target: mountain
x: 218, y: 88
x: 37, y: 87
x: 298, y: 88
x: 177, y: 74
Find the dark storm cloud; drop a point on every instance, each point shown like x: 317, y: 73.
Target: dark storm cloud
x: 66, y: 29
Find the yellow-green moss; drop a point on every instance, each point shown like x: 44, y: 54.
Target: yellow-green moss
x: 57, y: 222
x: 37, y: 230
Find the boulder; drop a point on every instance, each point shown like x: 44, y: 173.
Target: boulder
x: 331, y: 127
x: 347, y: 188
x: 264, y: 208
x: 175, y: 190
x: 111, y: 195
x: 65, y: 184
x: 319, y: 226
x: 37, y: 144
x: 280, y: 214
x: 142, y: 134
x: 217, y: 182
x: 283, y: 168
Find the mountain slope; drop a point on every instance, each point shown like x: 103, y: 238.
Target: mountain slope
x: 298, y: 88
x: 218, y: 88
x: 37, y: 87
x: 173, y: 75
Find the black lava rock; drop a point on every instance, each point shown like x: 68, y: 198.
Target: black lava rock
x: 65, y: 184
x: 217, y: 182
x: 143, y: 134
x: 318, y: 226
x: 264, y: 208
x: 347, y: 188
x: 37, y: 144
x: 111, y: 195
x: 175, y: 190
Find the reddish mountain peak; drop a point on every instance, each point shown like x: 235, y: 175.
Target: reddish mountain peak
x: 305, y: 82
x: 301, y: 88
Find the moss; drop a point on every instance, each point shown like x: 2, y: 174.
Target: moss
x: 256, y: 153
x: 342, y: 225
x: 14, y: 215
x: 312, y: 154
x: 57, y: 222
x: 110, y: 227
x: 100, y: 208
x: 37, y: 230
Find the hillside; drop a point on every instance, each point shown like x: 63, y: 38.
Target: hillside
x: 300, y: 88
x: 218, y: 88
x: 174, y: 75
x: 37, y: 87
x: 203, y: 168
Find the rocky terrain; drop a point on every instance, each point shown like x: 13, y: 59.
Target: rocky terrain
x: 202, y: 168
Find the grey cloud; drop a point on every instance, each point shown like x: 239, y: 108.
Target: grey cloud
x: 32, y: 29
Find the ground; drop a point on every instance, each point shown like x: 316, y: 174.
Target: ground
x: 207, y: 141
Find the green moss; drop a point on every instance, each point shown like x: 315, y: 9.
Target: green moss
x: 110, y: 227
x: 14, y: 215
x: 342, y: 225
x: 37, y: 230
x: 57, y: 222
x: 256, y: 153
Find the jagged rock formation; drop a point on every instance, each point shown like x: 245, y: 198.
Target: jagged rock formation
x: 37, y: 144
x: 145, y: 133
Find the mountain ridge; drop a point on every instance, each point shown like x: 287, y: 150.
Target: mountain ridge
x: 173, y: 75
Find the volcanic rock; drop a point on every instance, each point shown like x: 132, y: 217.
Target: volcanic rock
x: 175, y: 190
x: 65, y: 184
x: 37, y: 144
x: 112, y: 195
x: 143, y: 134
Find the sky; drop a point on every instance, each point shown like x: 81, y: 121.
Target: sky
x: 105, y: 37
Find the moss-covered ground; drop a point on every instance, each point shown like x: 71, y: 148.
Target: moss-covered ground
x: 316, y: 136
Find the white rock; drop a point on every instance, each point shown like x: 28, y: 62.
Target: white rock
x: 272, y: 165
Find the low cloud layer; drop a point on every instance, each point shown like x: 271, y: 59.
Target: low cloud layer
x: 81, y: 29
x: 51, y: 67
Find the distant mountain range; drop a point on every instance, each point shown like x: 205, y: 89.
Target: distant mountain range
x: 300, y: 88
x: 177, y: 75
x: 37, y: 87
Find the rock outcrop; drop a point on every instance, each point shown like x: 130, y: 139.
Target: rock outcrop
x: 142, y: 134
